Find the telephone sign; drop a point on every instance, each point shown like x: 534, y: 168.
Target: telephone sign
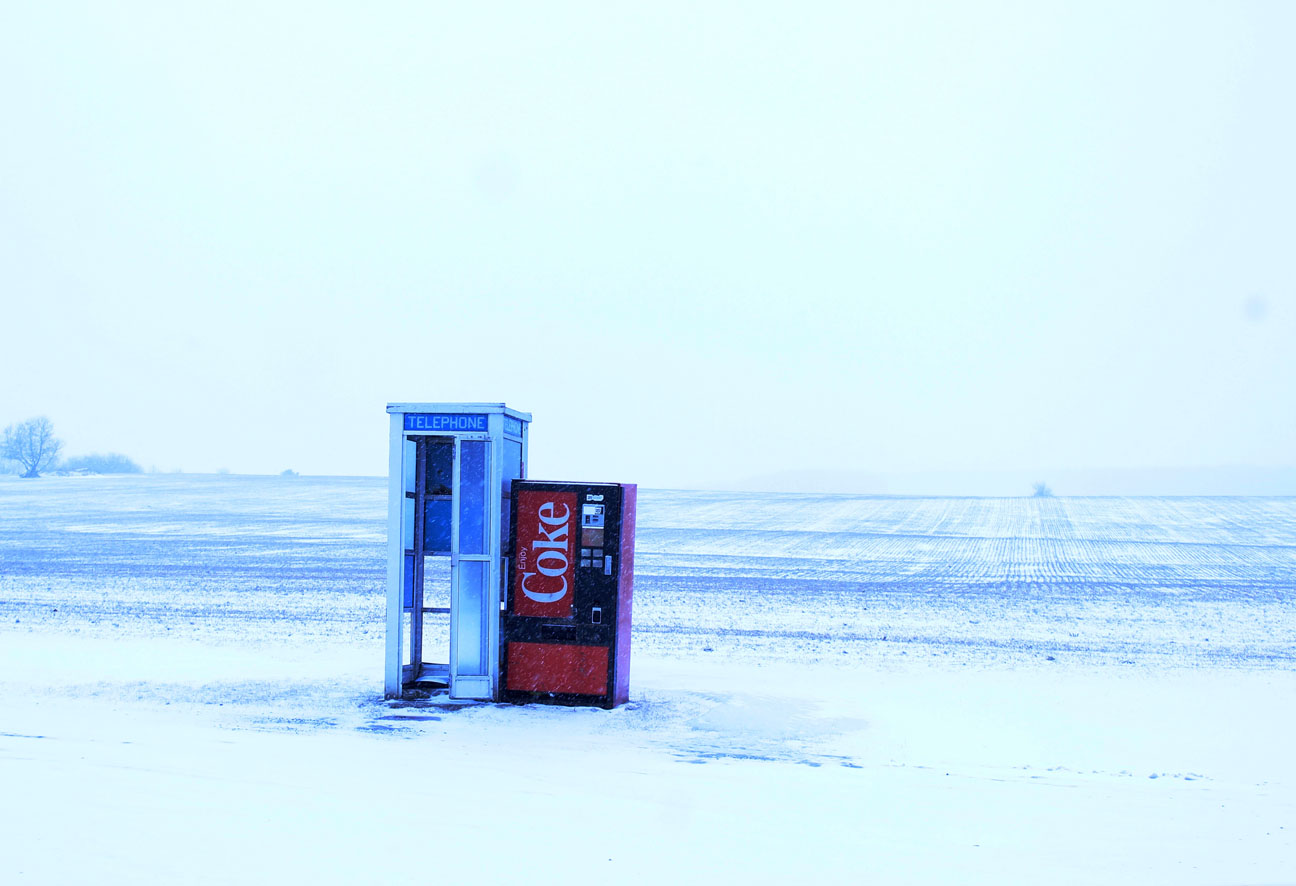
x: 445, y: 422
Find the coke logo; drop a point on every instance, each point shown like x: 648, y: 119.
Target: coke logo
x: 553, y: 540
x: 545, y: 567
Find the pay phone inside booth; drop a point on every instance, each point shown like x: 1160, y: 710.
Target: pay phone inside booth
x: 451, y: 469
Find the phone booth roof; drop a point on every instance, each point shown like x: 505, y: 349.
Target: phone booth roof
x: 457, y: 418
x: 459, y: 409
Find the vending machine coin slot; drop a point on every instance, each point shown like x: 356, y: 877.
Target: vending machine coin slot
x: 592, y: 525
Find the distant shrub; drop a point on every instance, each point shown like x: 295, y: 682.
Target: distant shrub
x: 110, y: 463
x: 1042, y: 491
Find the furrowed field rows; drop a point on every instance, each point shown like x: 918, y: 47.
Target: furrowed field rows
x: 1241, y: 521
x: 1152, y: 581
x: 1154, y: 542
x: 919, y: 559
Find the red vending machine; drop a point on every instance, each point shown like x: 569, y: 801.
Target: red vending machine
x: 565, y: 630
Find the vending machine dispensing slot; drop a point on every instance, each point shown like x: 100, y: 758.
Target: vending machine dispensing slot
x: 565, y: 630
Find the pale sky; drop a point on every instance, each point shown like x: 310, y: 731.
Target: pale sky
x: 699, y: 242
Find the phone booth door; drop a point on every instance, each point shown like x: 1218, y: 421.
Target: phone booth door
x: 448, y: 559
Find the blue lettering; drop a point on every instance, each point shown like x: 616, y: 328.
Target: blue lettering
x: 444, y: 422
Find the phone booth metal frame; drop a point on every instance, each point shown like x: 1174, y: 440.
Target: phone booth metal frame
x: 450, y: 470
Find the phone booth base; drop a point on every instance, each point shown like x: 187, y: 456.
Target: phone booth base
x: 565, y: 631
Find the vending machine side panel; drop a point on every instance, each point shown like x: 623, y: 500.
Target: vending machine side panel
x: 625, y: 595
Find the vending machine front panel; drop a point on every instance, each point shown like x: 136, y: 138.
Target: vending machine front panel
x: 565, y: 630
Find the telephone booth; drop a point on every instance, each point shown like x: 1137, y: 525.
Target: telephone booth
x: 451, y: 467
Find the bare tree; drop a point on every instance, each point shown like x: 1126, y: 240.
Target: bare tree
x: 32, y: 444
x: 1042, y: 491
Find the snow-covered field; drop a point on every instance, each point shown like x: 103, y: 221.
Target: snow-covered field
x: 863, y: 689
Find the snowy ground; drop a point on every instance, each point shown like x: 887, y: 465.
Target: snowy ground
x: 870, y: 689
